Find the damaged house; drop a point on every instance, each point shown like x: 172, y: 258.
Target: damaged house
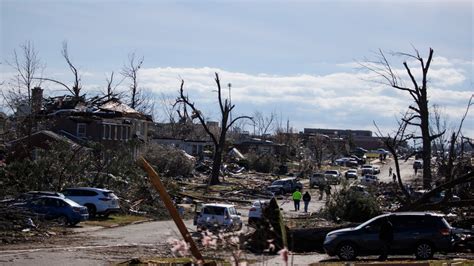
x: 106, y: 121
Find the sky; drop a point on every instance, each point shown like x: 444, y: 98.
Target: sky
x: 297, y: 59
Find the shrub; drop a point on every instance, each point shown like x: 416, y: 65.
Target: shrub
x: 261, y: 163
x: 351, y: 205
x: 169, y: 161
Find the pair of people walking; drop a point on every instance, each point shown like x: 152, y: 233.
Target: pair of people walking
x: 297, y: 196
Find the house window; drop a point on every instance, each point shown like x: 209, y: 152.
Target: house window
x: 110, y: 131
x: 81, y: 130
x: 116, y: 132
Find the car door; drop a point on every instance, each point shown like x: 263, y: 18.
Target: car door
x: 368, y: 239
x: 38, y: 206
x: 52, y: 208
x: 405, y: 232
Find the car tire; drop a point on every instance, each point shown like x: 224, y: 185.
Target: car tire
x: 424, y: 251
x: 62, y: 220
x: 347, y: 251
x: 91, y: 209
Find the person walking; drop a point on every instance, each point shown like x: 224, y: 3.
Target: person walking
x: 321, y: 191
x: 390, y: 171
x: 306, y: 200
x: 385, y: 237
x: 328, y: 192
x: 296, y: 199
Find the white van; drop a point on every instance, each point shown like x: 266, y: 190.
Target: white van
x: 216, y: 216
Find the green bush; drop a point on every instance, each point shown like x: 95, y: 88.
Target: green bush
x: 261, y: 163
x: 169, y: 161
x: 351, y: 205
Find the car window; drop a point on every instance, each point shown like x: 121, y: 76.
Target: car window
x: 213, y: 210
x: 72, y: 192
x: 38, y: 202
x: 108, y: 194
x: 374, y: 226
x: 232, y: 211
x: 411, y: 222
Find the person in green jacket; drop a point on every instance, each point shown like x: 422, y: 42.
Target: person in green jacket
x: 296, y: 199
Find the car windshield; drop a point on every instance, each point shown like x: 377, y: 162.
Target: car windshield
x: 278, y: 182
x: 71, y: 203
x: 232, y: 211
x: 259, y: 203
x: 367, y: 222
x: 331, y: 172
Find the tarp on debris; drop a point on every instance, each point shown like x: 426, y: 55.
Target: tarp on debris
x: 117, y: 106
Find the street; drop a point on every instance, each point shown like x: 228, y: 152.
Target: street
x: 98, y: 246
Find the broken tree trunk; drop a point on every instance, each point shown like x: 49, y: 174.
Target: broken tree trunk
x: 155, y: 180
x: 418, y: 204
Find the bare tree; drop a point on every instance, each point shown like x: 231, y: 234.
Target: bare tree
x: 27, y: 67
x: 319, y: 146
x: 263, y: 124
x: 76, y: 87
x: 130, y: 72
x: 218, y: 138
x: 111, y: 90
x: 419, y: 92
x: 393, y: 142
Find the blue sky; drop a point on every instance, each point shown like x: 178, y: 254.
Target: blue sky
x: 294, y: 58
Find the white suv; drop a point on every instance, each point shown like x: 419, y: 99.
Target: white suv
x: 97, y: 200
x: 217, y: 216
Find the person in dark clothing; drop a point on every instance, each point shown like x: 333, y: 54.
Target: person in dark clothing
x: 385, y: 237
x: 306, y: 200
x: 327, y: 189
x: 321, y: 191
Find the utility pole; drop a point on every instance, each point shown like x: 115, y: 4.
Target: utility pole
x: 230, y: 99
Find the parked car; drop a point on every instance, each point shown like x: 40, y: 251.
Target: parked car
x: 376, y: 169
x: 351, y: 173
x: 369, y: 180
x: 418, y: 233
x: 215, y: 216
x: 347, y: 161
x: 30, y: 195
x: 333, y: 177
x: 65, y: 211
x: 285, y: 185
x: 317, y: 179
x: 97, y: 200
x: 255, y: 212
x: 367, y: 169
x: 360, y: 160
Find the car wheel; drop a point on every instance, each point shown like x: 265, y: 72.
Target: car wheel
x: 424, y: 251
x: 346, y: 251
x: 62, y: 220
x: 91, y: 209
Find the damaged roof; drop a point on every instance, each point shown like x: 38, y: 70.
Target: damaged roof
x: 117, y: 106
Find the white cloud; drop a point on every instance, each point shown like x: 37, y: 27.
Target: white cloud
x: 342, y: 99
x: 348, y: 99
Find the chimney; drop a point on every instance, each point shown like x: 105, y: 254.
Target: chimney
x: 36, y: 99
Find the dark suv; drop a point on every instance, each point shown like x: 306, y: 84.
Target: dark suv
x: 420, y: 233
